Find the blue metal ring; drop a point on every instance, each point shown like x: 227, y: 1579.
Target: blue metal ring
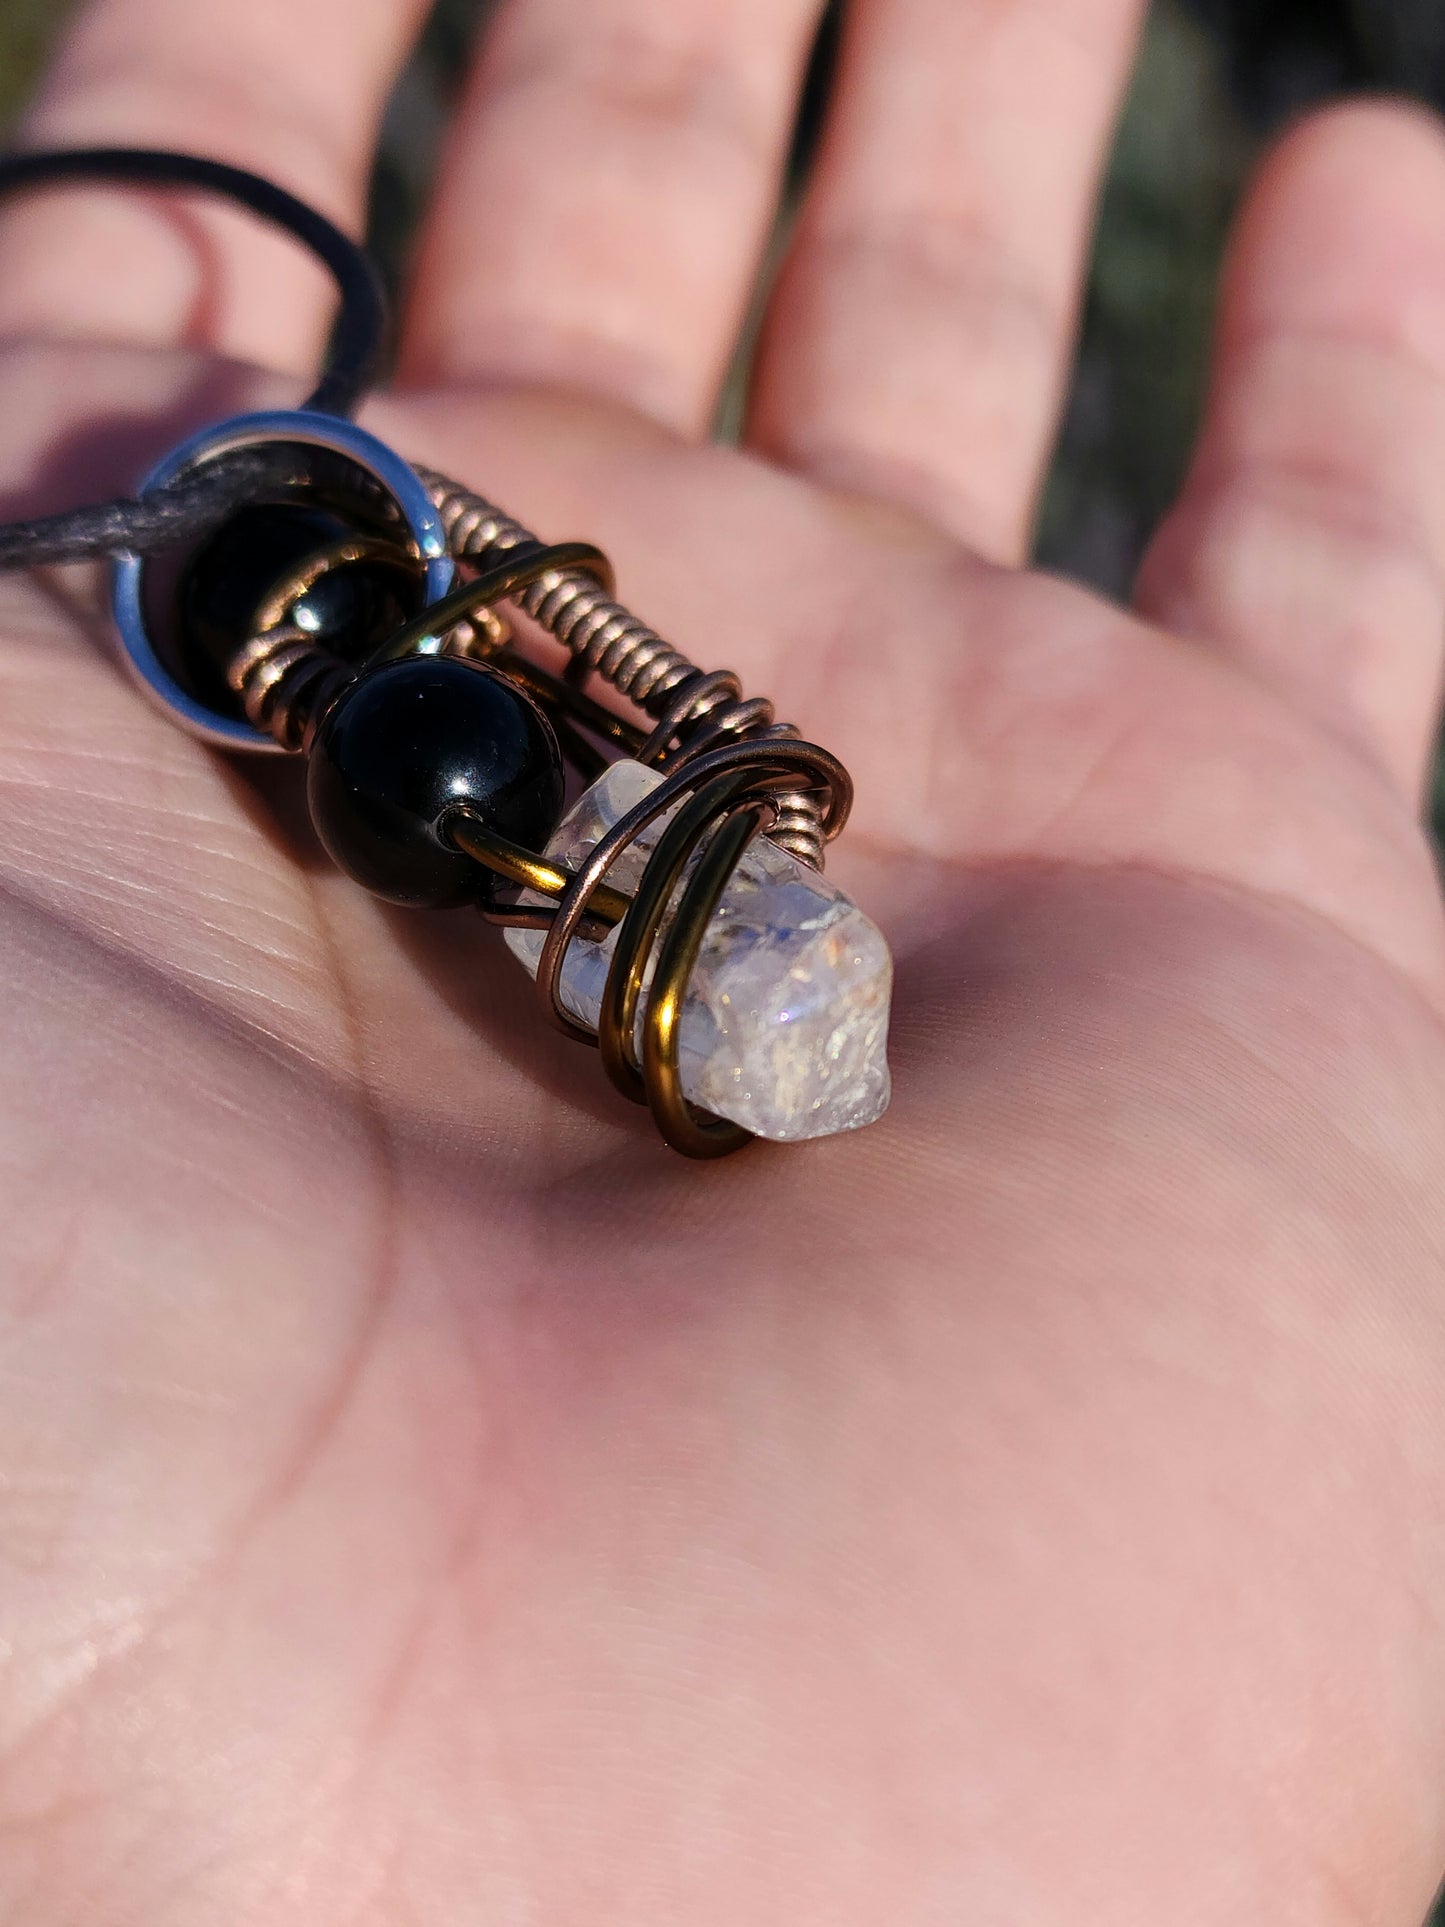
x: 383, y: 464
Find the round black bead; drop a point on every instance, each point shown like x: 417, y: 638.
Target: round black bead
x: 406, y: 743
x: 350, y: 611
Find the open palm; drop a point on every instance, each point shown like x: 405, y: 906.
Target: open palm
x: 424, y: 1499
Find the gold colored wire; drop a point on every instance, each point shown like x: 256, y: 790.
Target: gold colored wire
x: 564, y: 698
x: 693, y: 1132
x: 728, y: 771
x: 283, y: 676
x: 715, y: 808
x: 566, y: 706
x: 776, y: 764
x: 607, y: 640
x: 303, y: 578
x: 735, y: 783
x: 525, y: 867
x: 638, y: 935
x: 427, y: 635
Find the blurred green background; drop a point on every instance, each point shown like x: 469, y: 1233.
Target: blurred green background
x: 1216, y: 78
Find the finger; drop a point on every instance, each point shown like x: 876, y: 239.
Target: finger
x: 919, y: 334
x: 606, y: 198
x: 1309, y: 541
x: 292, y: 89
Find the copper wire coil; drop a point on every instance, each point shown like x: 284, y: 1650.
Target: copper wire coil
x: 584, y: 617
x: 286, y: 683
x: 689, y: 707
x: 728, y: 772
x: 723, y: 798
x: 284, y: 678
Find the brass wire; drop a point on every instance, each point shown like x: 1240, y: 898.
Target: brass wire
x: 728, y: 773
x: 729, y: 769
x: 713, y: 812
x: 311, y: 569
x: 726, y: 794
x: 525, y: 867
x: 607, y: 639
x: 284, y: 679
x: 686, y: 1128
x: 623, y: 993
x: 427, y: 635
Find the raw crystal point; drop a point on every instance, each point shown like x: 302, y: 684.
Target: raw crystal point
x: 785, y: 1025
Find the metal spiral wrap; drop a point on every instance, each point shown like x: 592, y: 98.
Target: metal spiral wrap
x: 728, y: 772
x: 286, y: 683
x: 285, y: 680
x: 690, y: 708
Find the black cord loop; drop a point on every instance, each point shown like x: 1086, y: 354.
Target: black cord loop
x: 360, y: 332
x: 193, y: 505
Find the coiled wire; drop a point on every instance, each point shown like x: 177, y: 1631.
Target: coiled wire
x: 729, y: 773
x: 718, y: 801
x: 690, y: 708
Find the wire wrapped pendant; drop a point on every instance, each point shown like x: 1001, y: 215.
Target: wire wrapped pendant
x: 332, y: 602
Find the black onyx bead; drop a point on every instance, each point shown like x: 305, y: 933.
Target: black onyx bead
x: 407, y: 742
x: 225, y: 585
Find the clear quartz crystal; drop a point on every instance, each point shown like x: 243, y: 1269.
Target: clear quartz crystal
x: 785, y: 1025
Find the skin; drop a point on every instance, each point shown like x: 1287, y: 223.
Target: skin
x: 423, y: 1499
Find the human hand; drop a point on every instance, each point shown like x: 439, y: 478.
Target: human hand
x: 422, y: 1497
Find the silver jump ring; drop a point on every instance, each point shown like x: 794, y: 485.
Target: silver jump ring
x: 419, y: 516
